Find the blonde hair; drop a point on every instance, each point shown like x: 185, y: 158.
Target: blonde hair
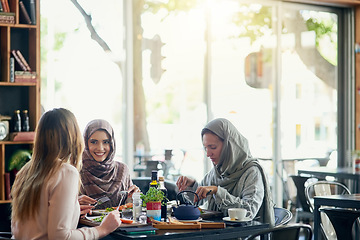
x: 58, y: 140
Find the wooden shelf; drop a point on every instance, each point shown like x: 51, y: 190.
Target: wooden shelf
x: 16, y: 95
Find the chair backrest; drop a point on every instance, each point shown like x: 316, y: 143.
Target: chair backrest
x: 5, y: 235
x: 282, y: 216
x: 5, y: 220
x: 322, y: 188
x: 286, y: 232
x: 343, y: 221
x: 299, y: 182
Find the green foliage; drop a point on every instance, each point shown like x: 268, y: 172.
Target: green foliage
x: 59, y: 40
x: 152, y: 195
x: 324, y: 29
x: 19, y: 159
x: 253, y: 22
x: 321, y: 28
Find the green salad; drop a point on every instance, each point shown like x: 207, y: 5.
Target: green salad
x: 99, y: 219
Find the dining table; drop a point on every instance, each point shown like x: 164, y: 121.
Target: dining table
x: 343, y: 201
x: 346, y: 175
x: 231, y: 230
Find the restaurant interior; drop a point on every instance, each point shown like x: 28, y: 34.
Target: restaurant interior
x: 284, y: 72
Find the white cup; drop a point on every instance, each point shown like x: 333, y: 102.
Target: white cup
x: 237, y: 213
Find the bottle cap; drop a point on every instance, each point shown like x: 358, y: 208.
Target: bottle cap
x: 154, y: 175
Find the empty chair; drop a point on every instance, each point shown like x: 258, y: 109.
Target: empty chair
x: 303, y: 212
x: 286, y: 232
x: 323, y: 188
x: 342, y: 221
x: 282, y: 216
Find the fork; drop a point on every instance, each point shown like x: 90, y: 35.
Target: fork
x: 124, y: 197
x: 102, y: 200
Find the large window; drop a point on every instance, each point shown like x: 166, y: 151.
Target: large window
x: 272, y: 68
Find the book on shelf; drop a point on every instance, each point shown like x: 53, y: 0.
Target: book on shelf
x: 25, y: 74
x: 1, y: 7
x: 7, y: 186
x: 25, y: 14
x: 5, y: 5
x: 25, y: 80
x: 12, y: 69
x: 22, y: 136
x: 33, y: 12
x: 18, y: 60
x: 25, y: 77
x: 7, y: 17
x: 23, y: 60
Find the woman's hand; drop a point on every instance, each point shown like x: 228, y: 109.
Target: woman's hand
x: 183, y: 182
x: 85, y: 205
x: 109, y: 224
x: 132, y: 189
x: 204, y: 191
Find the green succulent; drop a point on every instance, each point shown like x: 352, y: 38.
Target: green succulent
x: 19, y: 159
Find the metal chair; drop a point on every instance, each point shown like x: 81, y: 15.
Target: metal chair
x: 303, y: 212
x: 5, y: 235
x: 323, y: 188
x: 286, y: 232
x: 342, y: 220
x: 282, y: 216
x: 5, y: 220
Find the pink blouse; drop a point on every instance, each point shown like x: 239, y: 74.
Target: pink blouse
x: 59, y: 211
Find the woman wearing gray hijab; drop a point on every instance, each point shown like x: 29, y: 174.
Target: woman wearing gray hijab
x: 236, y: 180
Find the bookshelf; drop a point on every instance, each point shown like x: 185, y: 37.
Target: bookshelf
x: 18, y: 95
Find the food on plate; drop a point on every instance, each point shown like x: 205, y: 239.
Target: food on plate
x: 125, y: 206
x: 109, y: 209
x: 126, y: 221
x: 99, y: 219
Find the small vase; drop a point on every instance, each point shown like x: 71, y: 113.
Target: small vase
x: 153, y: 210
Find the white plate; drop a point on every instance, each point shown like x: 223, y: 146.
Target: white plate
x: 246, y: 219
x: 99, y: 212
x: 195, y: 220
x: 92, y: 218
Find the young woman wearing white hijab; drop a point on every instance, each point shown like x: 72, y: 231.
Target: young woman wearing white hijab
x: 236, y: 180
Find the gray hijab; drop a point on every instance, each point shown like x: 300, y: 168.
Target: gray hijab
x: 235, y: 159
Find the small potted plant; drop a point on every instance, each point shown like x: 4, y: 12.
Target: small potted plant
x: 152, y: 200
x: 19, y: 159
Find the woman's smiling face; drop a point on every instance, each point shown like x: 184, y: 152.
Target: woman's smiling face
x: 99, y: 145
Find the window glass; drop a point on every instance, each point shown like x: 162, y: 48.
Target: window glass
x: 76, y: 72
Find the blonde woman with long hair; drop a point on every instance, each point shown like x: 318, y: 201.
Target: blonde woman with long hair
x: 45, y: 201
